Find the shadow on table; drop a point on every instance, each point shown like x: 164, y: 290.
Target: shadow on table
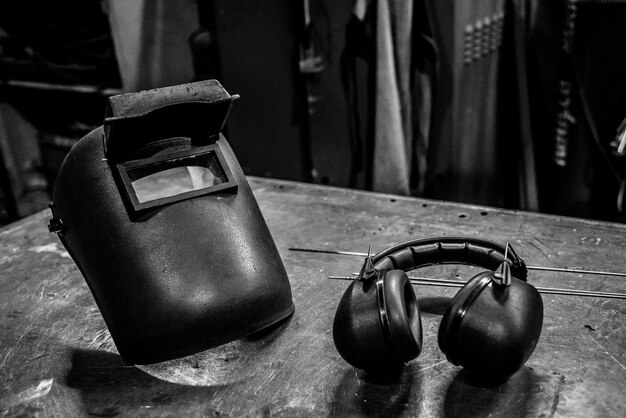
x: 361, y: 393
x: 109, y: 386
x: 525, y: 394
x: 520, y: 396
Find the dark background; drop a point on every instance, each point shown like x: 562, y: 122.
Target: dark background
x: 60, y: 61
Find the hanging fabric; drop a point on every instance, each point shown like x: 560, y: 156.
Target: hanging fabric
x: 578, y: 91
x: 444, y: 120
x: 393, y: 128
x: 400, y: 118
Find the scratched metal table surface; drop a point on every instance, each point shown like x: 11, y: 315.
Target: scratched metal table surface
x: 57, y: 358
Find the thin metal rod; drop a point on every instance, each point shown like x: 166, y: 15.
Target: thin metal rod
x: 425, y: 282
x: 549, y: 290
x: 546, y: 290
x: 313, y: 250
x: 558, y: 269
x: 579, y: 271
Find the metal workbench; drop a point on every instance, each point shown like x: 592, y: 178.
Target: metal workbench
x: 57, y: 357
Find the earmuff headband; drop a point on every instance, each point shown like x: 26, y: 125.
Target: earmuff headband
x: 414, y: 254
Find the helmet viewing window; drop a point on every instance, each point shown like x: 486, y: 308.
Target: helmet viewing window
x: 169, y: 178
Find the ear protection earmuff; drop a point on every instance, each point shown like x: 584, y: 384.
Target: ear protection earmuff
x: 490, y: 328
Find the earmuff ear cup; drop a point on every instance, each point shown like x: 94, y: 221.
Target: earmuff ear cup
x: 360, y: 333
x: 403, y: 313
x: 489, y: 330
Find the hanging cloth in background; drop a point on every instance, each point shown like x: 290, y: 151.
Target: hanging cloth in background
x: 393, y: 126
x: 578, y: 89
x: 399, y: 99
x: 423, y: 71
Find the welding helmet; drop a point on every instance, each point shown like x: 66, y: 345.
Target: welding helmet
x: 156, y: 212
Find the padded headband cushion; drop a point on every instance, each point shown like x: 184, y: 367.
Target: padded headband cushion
x: 411, y: 255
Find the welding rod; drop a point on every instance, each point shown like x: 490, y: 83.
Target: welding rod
x: 558, y: 269
x: 547, y: 290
